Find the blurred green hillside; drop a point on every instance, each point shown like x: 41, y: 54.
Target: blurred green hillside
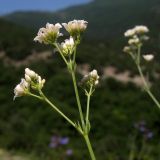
x: 26, y: 125
x: 106, y: 17
x: 15, y: 40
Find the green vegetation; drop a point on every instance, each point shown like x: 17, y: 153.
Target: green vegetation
x: 27, y: 125
x: 107, y: 18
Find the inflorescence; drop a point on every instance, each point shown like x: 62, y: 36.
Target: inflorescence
x: 49, y: 35
x: 31, y: 81
x: 137, y: 36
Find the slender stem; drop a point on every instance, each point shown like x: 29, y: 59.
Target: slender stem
x: 77, y: 98
x: 88, y: 104
x: 90, y: 149
x: 85, y: 135
x: 57, y: 46
x: 74, y: 53
x: 147, y: 88
x: 54, y: 107
x: 33, y: 95
x: 139, y: 55
x: 62, y: 114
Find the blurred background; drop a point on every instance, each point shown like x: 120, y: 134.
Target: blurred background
x: 125, y: 121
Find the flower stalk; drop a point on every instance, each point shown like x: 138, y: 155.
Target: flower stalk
x: 77, y: 98
x: 136, y: 38
x: 88, y: 103
x: 90, y: 149
x: 67, y: 50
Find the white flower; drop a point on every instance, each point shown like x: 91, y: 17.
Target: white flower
x: 134, y: 41
x: 141, y: 29
x: 32, y: 81
x: 129, y: 33
x: 148, y: 57
x: 67, y: 46
x: 49, y: 34
x: 21, y: 89
x: 94, y: 74
x: 75, y: 27
x: 91, y: 79
x: 136, y: 31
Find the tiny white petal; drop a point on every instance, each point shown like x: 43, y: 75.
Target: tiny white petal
x: 148, y: 57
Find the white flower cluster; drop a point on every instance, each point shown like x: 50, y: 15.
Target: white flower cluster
x: 67, y: 46
x: 31, y: 80
x: 75, y: 26
x: 91, y: 79
x: 138, y: 30
x: 51, y: 32
x: 136, y: 37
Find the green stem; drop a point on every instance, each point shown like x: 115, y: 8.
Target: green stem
x: 59, y: 50
x: 33, y: 95
x: 77, y: 98
x: 88, y: 143
x: 55, y: 108
x: 139, y: 54
x: 74, y: 54
x: 147, y: 87
x: 88, y: 104
x: 62, y: 114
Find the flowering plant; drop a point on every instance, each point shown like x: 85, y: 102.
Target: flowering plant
x: 32, y: 83
x: 137, y: 36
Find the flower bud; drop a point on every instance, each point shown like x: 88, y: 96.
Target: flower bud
x: 41, y: 82
x: 92, y: 79
x: 29, y: 74
x: 27, y: 78
x: 67, y: 46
